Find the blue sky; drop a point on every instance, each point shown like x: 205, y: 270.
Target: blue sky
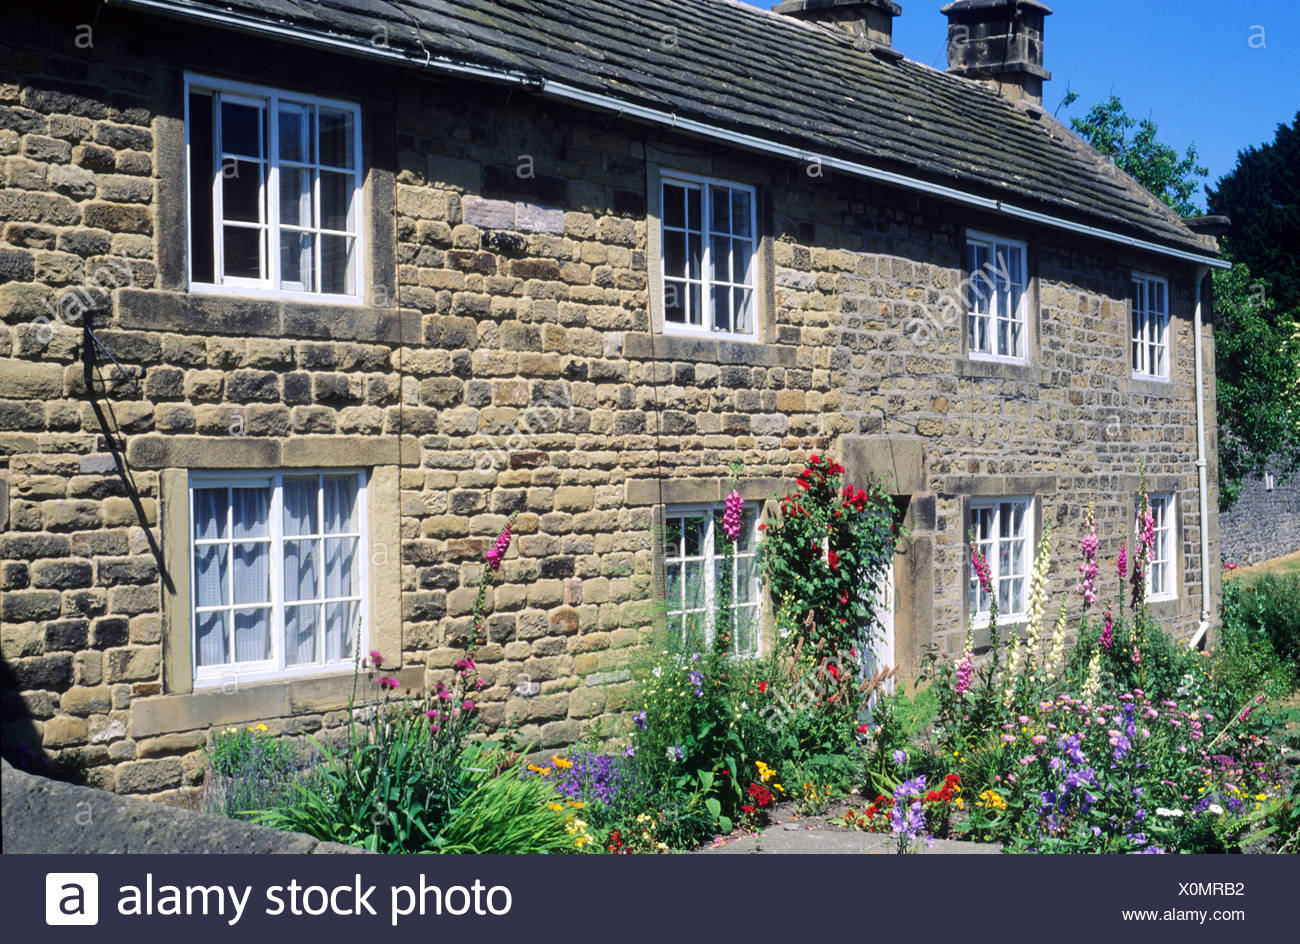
x: 1222, y: 74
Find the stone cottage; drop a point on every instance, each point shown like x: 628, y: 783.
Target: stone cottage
x: 301, y: 301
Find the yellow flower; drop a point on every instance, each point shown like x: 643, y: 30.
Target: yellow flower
x: 1261, y: 797
x: 262, y: 727
x: 561, y: 763
x: 555, y: 806
x: 577, y: 804
x: 539, y: 770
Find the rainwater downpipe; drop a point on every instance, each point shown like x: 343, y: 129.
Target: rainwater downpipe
x: 1201, y: 466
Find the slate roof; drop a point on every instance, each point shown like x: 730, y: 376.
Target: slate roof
x: 749, y: 70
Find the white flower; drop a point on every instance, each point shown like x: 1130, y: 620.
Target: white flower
x: 1216, y: 809
x: 1161, y: 811
x: 658, y: 671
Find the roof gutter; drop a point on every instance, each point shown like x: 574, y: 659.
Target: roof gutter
x: 596, y: 100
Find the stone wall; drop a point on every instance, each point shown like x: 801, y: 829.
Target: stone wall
x: 508, y: 362
x: 1263, y: 524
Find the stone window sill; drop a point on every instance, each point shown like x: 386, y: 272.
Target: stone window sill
x: 215, y: 708
x: 192, y: 313
x: 1150, y: 388
x: 999, y: 370
x: 670, y: 347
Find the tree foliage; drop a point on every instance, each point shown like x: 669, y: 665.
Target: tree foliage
x: 1143, y: 156
x: 1262, y: 197
x: 1257, y: 356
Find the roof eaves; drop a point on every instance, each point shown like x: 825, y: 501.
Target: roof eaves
x: 571, y: 94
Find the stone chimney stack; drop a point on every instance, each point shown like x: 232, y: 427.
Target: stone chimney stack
x: 999, y: 43
x: 872, y: 20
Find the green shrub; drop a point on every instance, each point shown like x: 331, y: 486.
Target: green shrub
x: 504, y: 809
x: 1273, y: 605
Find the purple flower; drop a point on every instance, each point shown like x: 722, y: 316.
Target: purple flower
x: 499, y: 549
x: 639, y: 720
x: 900, y: 758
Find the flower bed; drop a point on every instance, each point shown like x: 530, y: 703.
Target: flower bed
x: 1121, y: 741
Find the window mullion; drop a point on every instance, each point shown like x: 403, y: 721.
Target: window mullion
x: 275, y: 527
x: 273, y: 192
x: 218, y: 208
x: 320, y: 567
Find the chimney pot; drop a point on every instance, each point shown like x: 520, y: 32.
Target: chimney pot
x: 870, y: 20
x: 999, y: 43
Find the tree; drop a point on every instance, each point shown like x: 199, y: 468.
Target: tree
x: 1153, y: 164
x: 1257, y: 374
x: 1262, y: 197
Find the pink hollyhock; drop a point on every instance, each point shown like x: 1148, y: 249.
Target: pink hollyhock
x: 1087, y: 587
x: 981, y: 568
x: 1107, y: 633
x: 1121, y: 563
x: 731, y: 517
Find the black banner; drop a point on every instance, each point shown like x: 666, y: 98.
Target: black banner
x: 649, y: 898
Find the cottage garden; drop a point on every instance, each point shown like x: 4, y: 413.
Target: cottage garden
x: 1097, y: 734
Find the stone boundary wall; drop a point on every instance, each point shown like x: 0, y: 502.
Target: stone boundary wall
x: 46, y: 816
x: 1263, y: 524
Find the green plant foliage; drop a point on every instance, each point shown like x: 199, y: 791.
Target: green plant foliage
x: 824, y: 558
x: 252, y: 771
x: 1257, y: 372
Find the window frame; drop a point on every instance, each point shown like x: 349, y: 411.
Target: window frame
x: 1170, y: 518
x: 210, y: 677
x: 992, y: 243
x: 269, y: 197
x: 981, y: 616
x: 1139, y: 330
x: 712, y: 511
x: 702, y: 182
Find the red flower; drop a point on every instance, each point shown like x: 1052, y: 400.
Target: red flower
x: 833, y: 559
x: 747, y: 809
x: 762, y: 686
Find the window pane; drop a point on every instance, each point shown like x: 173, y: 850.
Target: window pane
x: 336, y: 264
x: 674, y: 209
x: 209, y: 513
x: 336, y: 200
x: 210, y: 638
x: 252, y: 635
x: 301, y: 565
x: 210, y: 575
x: 252, y: 576
x: 241, y: 191
x: 673, y: 586
x: 721, y: 308
x: 340, y: 567
x: 242, y: 252
x: 250, y: 509
x: 336, y: 142
x: 693, y: 536
x: 295, y: 197
x: 340, y: 503
x: 721, y: 207
x: 296, y: 264
x: 674, y: 254
x: 720, y: 259
x: 742, y: 300
x: 675, y: 302
x: 340, y: 621
x: 693, y: 218
x: 695, y: 256
x: 693, y: 593
x: 740, y: 213
x: 300, y: 634
x: 742, y: 258
x: 241, y: 129
x: 300, y: 506
x: 295, y: 132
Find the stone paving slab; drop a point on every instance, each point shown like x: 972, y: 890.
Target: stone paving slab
x: 814, y: 836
